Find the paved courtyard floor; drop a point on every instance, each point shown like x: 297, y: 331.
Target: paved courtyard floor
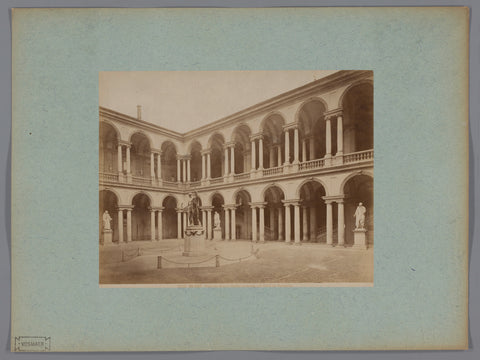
x: 238, y: 262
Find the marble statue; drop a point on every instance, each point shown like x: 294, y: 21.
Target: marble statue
x: 106, y: 220
x: 216, y: 220
x: 360, y: 216
x: 194, y: 209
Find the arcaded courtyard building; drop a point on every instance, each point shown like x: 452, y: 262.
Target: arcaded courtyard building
x: 292, y: 168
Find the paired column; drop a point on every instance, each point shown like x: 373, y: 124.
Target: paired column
x: 179, y: 169
x: 313, y: 223
x: 254, y: 154
x: 160, y: 223
x: 287, y: 147
x: 311, y: 143
x: 297, y: 223
x: 120, y: 225
x: 225, y: 158
x: 152, y: 166
x: 254, y: 223
x: 304, y: 223
x: 189, y: 179
x: 232, y: 159
x: 329, y: 222
x: 328, y: 137
x: 152, y: 224
x: 227, y: 223
x: 234, y: 223
x: 129, y: 224
x: 279, y: 155
x: 341, y: 223
x: 280, y: 224
x: 288, y: 236
x: 329, y: 117
x: 262, y: 222
x: 159, y: 165
x: 179, y: 223
x: 119, y: 159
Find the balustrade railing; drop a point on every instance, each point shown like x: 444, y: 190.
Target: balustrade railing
x: 273, y: 171
x: 312, y: 164
x: 358, y: 156
x: 216, y: 180
x: 167, y: 183
x: 195, y: 183
x: 108, y: 177
x: 242, y: 176
x: 141, y: 180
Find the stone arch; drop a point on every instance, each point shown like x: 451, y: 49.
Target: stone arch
x: 114, y: 127
x: 353, y: 174
x: 305, y: 102
x: 312, y: 129
x: 212, y: 195
x: 281, y: 187
x: 272, y: 114
x: 352, y: 85
x: 299, y: 187
x: 170, y: 195
x: 242, y: 152
x: 239, y: 190
x: 192, y: 145
x: 143, y: 133
x: 132, y: 196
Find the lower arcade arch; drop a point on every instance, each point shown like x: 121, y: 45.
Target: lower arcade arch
x: 169, y: 218
x: 218, y: 202
x: 274, y: 214
x: 313, y: 214
x: 108, y: 201
x: 358, y: 188
x: 243, y: 215
x: 141, y: 229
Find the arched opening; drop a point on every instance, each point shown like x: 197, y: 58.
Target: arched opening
x: 312, y: 131
x: 196, y: 162
x: 169, y: 218
x: 169, y: 161
x: 274, y: 141
x: 108, y: 202
x: 274, y: 217
x: 313, y: 213
x: 241, y: 137
x: 357, y: 107
x: 358, y: 189
x: 140, y: 156
x: 141, y: 218
x: 243, y: 215
x: 108, y: 153
x: 217, y: 203
x: 217, y: 156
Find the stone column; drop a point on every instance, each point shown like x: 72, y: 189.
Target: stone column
x: 287, y: 148
x: 152, y: 224
x: 227, y: 224
x: 280, y: 224
x: 129, y: 225
x: 311, y: 143
x: 209, y: 167
x: 152, y: 166
x: 304, y: 150
x: 234, y: 224
x: 295, y: 145
x: 225, y: 157
x: 305, y: 224
x: 209, y: 224
x: 328, y: 137
x: 297, y: 223
x: 119, y: 159
x: 272, y: 156
x: 129, y: 172
x: 184, y: 171
x: 179, y: 223
x: 203, y: 167
x: 254, y: 155
x: 159, y: 166
x: 279, y: 155
x: 179, y: 171
x: 288, y: 236
x: 341, y: 223
x: 160, y: 224
x: 329, y: 223
x: 120, y: 225
x: 262, y: 223
x: 204, y: 222
x: 339, y: 135
x: 189, y: 178
x: 185, y: 223
x: 260, y: 153
x: 232, y: 160
x: 313, y: 224
x: 272, y: 222
x: 254, y: 224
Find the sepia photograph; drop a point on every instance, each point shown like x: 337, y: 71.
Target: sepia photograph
x: 236, y: 178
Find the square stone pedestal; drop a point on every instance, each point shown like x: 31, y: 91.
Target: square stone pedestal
x: 107, y: 237
x: 360, y: 239
x: 217, y: 234
x: 194, y: 243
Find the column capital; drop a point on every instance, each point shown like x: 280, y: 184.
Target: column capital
x: 124, y: 143
x: 230, y: 206
x: 258, y: 204
x: 156, y: 151
x: 256, y: 136
x: 156, y: 208
x: 206, y: 151
x: 333, y: 113
x: 206, y: 208
x: 229, y: 144
x: 334, y: 198
x: 290, y: 126
x: 288, y: 202
x: 125, y: 207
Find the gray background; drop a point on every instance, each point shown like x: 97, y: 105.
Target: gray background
x: 5, y: 148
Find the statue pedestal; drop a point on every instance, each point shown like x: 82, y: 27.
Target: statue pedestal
x: 360, y: 239
x: 107, y: 237
x: 217, y: 234
x: 194, y: 243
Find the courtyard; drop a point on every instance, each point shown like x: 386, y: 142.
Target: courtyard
x: 236, y: 262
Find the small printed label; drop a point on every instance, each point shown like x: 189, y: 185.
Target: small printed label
x: 32, y: 343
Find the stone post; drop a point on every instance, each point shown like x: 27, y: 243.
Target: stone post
x: 295, y: 146
x: 232, y: 159
x: 179, y: 170
x: 234, y: 224
x: 119, y: 160
x: 260, y: 153
x: 152, y: 166
x: 311, y: 143
x: 225, y: 157
x: 254, y: 155
x: 179, y: 224
x: 280, y: 224
x: 189, y: 178
x: 227, y: 224
x: 304, y: 150
x: 339, y: 135
x: 328, y: 137
x: 209, y: 167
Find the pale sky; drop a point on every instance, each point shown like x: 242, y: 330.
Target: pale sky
x: 184, y: 100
